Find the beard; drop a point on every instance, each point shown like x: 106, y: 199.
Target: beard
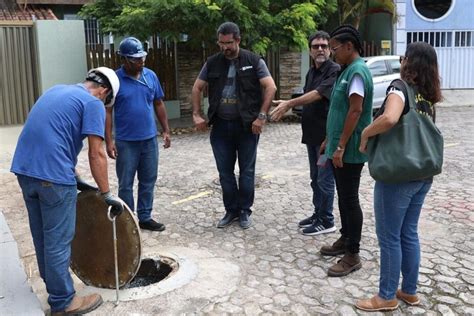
x: 321, y: 59
x: 229, y: 53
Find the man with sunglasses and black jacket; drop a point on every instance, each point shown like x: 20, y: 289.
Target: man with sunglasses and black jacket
x: 315, y: 101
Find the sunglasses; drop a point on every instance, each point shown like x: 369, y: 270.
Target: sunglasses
x: 136, y: 60
x: 320, y: 46
x: 402, y: 58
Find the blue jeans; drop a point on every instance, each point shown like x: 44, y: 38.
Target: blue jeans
x: 397, y: 210
x: 140, y: 158
x: 322, y: 183
x: 52, y: 216
x: 230, y: 142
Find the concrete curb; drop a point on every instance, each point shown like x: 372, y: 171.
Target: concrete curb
x: 457, y: 98
x: 16, y: 295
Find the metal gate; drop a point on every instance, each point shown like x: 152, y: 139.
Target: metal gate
x: 455, y: 50
x: 18, y: 85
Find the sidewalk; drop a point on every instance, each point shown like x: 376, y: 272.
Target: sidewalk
x: 16, y: 295
x: 464, y: 97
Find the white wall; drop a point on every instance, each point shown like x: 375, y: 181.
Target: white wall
x: 61, y: 52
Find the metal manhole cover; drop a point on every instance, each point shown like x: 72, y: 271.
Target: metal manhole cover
x: 92, y: 257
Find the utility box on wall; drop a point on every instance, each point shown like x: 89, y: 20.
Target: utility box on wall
x: 385, y: 47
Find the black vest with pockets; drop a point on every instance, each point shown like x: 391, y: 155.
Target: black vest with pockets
x: 248, y: 89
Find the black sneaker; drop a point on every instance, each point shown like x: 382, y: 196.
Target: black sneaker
x: 307, y: 221
x: 228, y: 218
x: 318, y: 228
x: 244, y: 219
x: 152, y: 225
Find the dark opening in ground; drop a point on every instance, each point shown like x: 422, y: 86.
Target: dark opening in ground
x: 152, y: 271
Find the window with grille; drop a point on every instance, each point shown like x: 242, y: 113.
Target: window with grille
x: 91, y: 30
x: 443, y: 38
x: 463, y: 39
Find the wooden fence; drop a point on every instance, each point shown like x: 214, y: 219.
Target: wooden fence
x: 272, y: 59
x: 161, y: 59
x: 370, y: 49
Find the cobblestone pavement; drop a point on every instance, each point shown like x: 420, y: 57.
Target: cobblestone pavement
x: 281, y: 271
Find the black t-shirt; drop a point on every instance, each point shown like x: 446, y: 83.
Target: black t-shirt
x: 422, y: 105
x: 314, y: 115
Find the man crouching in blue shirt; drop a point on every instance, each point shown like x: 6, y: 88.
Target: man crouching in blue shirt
x: 136, y: 145
x: 44, y: 162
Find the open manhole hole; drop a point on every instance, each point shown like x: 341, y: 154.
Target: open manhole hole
x: 152, y: 271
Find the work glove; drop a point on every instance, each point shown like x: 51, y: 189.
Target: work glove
x: 115, y: 202
x: 84, y: 186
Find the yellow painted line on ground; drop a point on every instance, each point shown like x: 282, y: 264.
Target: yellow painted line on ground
x: 192, y: 197
x: 267, y: 176
x: 451, y: 145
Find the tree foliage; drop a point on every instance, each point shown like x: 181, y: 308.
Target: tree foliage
x: 351, y: 11
x: 264, y: 23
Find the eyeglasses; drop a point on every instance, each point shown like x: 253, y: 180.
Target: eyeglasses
x: 136, y: 60
x: 225, y: 43
x: 320, y: 46
x: 402, y: 58
x: 333, y: 49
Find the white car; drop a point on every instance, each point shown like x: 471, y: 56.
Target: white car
x: 384, y: 70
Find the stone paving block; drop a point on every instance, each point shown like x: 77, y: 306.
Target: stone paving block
x: 281, y: 271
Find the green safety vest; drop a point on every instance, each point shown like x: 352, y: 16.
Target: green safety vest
x: 339, y: 107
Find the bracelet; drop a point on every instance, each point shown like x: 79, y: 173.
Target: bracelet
x: 340, y: 148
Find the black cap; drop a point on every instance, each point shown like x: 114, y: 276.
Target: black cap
x: 99, y: 78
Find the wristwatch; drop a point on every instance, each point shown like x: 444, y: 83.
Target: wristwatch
x: 262, y: 116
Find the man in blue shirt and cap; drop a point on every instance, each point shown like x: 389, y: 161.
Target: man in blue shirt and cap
x: 44, y: 162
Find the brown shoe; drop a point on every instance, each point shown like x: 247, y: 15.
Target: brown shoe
x: 349, y: 263
x: 410, y: 299
x: 377, y: 303
x: 81, y: 305
x: 337, y: 248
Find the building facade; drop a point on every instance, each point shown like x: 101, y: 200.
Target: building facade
x: 448, y: 25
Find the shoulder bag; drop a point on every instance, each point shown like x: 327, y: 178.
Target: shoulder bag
x: 411, y: 150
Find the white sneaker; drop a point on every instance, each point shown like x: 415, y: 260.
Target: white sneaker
x: 318, y: 229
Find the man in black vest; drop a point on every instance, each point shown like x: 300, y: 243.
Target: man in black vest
x: 240, y: 93
x: 317, y: 90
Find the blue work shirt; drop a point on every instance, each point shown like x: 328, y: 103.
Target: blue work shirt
x: 134, y: 113
x: 52, y: 137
